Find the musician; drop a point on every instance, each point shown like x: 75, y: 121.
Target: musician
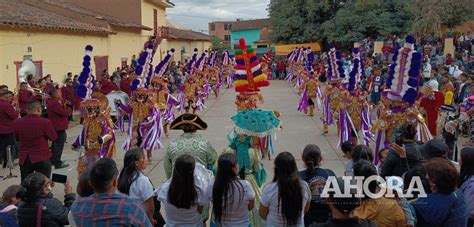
x: 49, y: 84
x: 7, y: 115
x: 125, y: 83
x: 43, y: 87
x: 68, y: 95
x: 107, y: 85
x: 58, y: 114
x: 33, y: 132
x: 25, y: 95
x: 30, y: 81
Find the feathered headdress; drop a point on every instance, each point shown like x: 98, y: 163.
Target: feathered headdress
x: 86, y: 79
x: 144, y: 68
x: 225, y: 57
x: 192, y: 61
x: 162, y: 67
x: 266, y: 57
x: 404, y: 72
x: 357, y: 71
x: 335, y: 69
x: 200, y: 63
x: 248, y: 76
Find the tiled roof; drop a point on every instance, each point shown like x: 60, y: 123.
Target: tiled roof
x: 250, y: 24
x: 176, y: 33
x: 111, y: 20
x: 16, y: 13
x: 50, y: 15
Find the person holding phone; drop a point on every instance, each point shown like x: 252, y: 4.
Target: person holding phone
x: 403, y: 154
x: 38, y: 204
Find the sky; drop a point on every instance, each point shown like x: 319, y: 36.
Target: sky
x: 196, y: 14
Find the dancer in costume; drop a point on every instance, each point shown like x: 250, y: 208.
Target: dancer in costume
x: 227, y: 65
x: 213, y: 74
x: 332, y: 93
x: 398, y: 99
x: 311, y: 94
x: 145, y: 127
x: 354, y: 109
x: 162, y: 99
x: 97, y: 135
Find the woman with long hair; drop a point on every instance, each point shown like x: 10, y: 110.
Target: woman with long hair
x: 35, y: 193
x: 232, y: 198
x: 250, y: 169
x: 466, y: 180
x: 182, y: 199
x: 134, y: 183
x: 316, y: 178
x: 285, y: 200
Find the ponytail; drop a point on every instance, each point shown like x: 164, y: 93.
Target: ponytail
x: 312, y: 157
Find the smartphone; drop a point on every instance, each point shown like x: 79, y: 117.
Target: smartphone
x: 59, y: 178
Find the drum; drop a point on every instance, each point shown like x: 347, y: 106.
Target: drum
x: 116, y: 95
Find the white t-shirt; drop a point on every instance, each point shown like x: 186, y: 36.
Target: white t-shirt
x: 238, y: 214
x: 270, y: 199
x: 427, y: 71
x: 141, y: 189
x: 182, y: 217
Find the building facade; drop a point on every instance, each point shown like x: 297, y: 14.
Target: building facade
x: 221, y: 30
x: 255, y: 33
x: 53, y: 34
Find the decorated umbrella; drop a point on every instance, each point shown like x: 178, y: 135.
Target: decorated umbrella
x: 256, y: 122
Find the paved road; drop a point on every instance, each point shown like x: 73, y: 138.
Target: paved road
x: 298, y: 131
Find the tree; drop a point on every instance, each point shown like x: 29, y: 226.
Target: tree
x: 372, y: 18
x: 429, y: 15
x: 217, y: 44
x: 299, y: 21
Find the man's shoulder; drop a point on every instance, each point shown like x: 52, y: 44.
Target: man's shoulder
x: 110, y: 199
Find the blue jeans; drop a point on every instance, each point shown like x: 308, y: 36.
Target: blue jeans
x: 375, y: 97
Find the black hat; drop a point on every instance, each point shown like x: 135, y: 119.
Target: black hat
x: 434, y: 148
x: 188, y: 119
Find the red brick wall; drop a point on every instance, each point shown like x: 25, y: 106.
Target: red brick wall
x: 219, y: 30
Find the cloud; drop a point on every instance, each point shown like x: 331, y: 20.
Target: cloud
x: 196, y: 14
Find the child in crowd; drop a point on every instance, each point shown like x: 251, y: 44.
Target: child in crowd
x: 346, y: 148
x: 316, y: 178
x: 8, y: 208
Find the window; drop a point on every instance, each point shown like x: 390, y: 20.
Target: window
x: 155, y: 21
x: 212, y: 27
x: 262, y: 46
x: 227, y: 26
x: 226, y: 37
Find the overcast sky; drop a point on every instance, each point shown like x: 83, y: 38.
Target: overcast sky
x: 196, y: 14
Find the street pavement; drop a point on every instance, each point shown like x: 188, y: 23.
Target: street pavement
x: 298, y: 131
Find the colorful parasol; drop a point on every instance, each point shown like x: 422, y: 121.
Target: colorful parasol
x: 255, y: 122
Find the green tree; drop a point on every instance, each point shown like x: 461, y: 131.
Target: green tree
x: 429, y: 15
x: 217, y: 44
x: 373, y: 18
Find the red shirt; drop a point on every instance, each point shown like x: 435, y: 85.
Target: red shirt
x: 68, y: 94
x: 107, y: 87
x: 48, y: 88
x: 7, y: 115
x: 23, y: 98
x: 125, y: 86
x: 32, y: 84
x: 33, y: 133
x: 58, y: 115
